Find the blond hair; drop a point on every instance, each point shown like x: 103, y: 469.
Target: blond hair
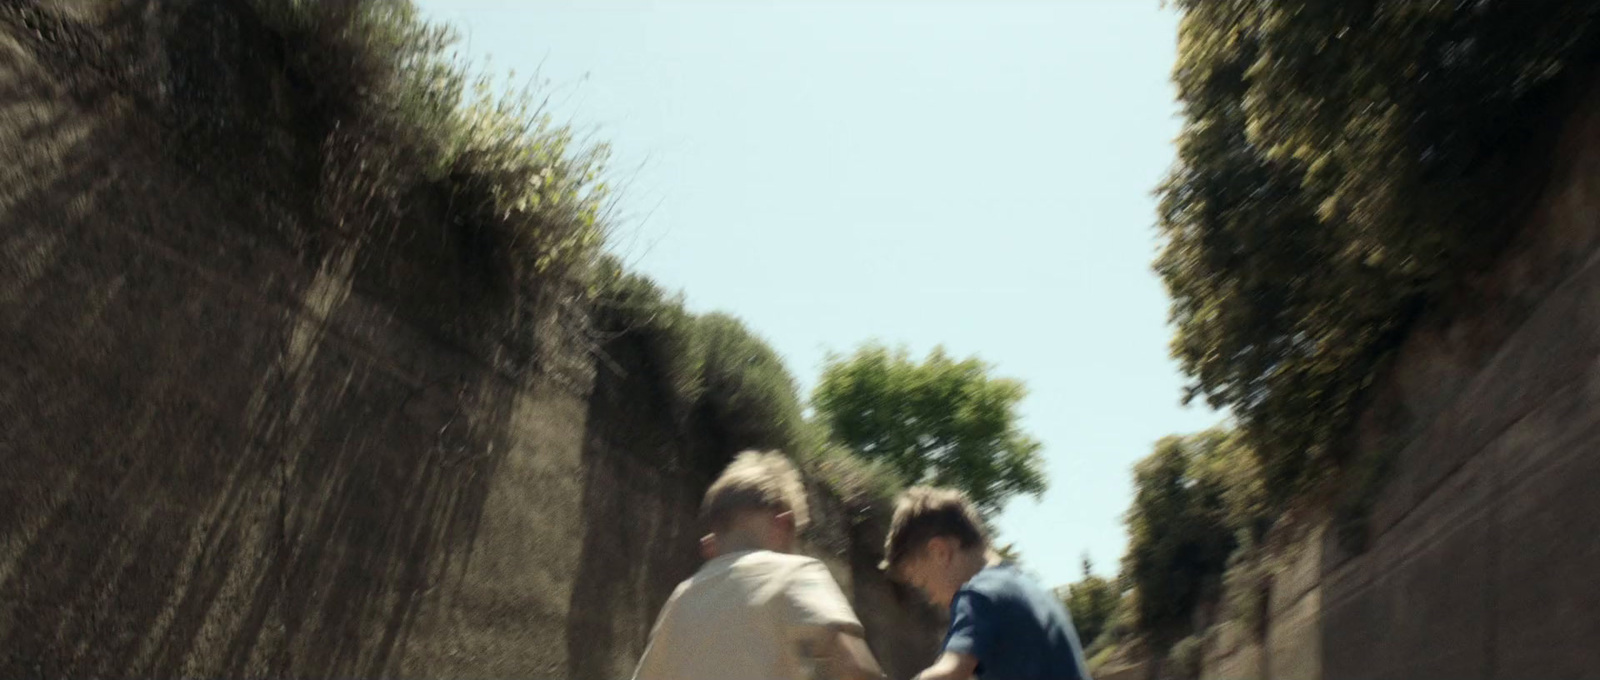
x: 924, y: 513
x: 755, y: 480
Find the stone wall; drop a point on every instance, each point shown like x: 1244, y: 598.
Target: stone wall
x: 1233, y: 652
x: 228, y: 454
x: 1293, y: 645
x: 1477, y: 558
x: 1284, y: 640
x: 1480, y: 554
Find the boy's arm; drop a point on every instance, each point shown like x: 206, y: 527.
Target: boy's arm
x: 848, y: 658
x: 950, y: 666
x: 816, y: 610
x: 969, y: 640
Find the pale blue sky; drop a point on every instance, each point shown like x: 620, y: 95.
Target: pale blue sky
x: 976, y: 175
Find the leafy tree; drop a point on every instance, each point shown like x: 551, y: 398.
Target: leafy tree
x: 1195, y: 497
x: 1342, y: 164
x: 1091, y: 601
x: 938, y: 421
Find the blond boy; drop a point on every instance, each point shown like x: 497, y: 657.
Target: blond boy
x: 755, y: 610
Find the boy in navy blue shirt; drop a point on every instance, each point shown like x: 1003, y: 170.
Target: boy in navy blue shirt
x: 1003, y: 625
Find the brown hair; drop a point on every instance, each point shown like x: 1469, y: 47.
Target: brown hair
x: 925, y: 513
x: 755, y: 480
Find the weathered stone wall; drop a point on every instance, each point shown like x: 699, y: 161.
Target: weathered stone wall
x: 1479, y: 555
x: 1285, y: 639
x: 1483, y: 544
x: 1233, y: 652
x: 1292, y: 648
x: 227, y: 454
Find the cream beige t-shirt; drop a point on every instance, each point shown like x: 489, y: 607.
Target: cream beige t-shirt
x: 751, y: 615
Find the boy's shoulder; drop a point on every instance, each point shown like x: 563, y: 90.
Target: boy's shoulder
x: 760, y: 563
x: 1001, y: 581
x: 780, y: 558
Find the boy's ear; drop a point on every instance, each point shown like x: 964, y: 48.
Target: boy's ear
x: 786, y: 519
x: 942, y: 549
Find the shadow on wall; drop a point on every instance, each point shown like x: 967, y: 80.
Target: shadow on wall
x: 640, y: 503
x: 206, y: 471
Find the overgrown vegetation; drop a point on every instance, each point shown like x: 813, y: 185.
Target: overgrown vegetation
x: 356, y: 123
x: 400, y: 116
x: 399, y: 106
x: 1342, y: 164
x: 713, y: 364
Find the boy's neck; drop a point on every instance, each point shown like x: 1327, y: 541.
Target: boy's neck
x: 735, y: 545
x: 975, y: 560
x: 739, y: 541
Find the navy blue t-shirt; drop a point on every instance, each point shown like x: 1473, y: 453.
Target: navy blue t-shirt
x: 1016, y: 629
